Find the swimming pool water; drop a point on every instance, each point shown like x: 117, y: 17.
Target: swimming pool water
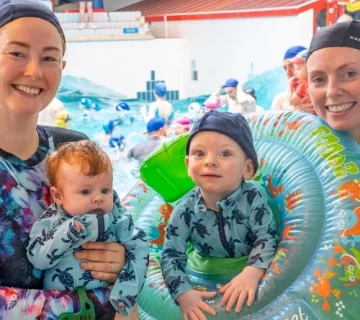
x: 73, y: 89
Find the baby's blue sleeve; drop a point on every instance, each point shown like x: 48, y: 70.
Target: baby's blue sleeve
x: 52, y: 236
x: 264, y: 232
x: 131, y: 278
x: 174, y: 257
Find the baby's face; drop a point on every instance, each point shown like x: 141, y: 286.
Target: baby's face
x: 217, y: 164
x: 79, y: 194
x: 179, y: 129
x: 300, y: 70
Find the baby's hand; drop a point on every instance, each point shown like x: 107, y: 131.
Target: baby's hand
x: 78, y: 226
x: 241, y: 287
x: 192, y: 304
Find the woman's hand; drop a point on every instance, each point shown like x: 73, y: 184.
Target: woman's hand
x: 192, y: 304
x: 105, y: 260
x: 242, y: 287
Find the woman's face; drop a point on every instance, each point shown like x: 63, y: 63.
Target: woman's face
x: 334, y: 87
x: 30, y: 66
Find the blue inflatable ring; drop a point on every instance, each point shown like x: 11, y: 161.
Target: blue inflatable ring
x: 310, y: 174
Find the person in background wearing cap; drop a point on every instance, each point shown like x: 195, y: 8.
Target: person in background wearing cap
x: 181, y: 126
x: 251, y: 92
x: 333, y: 68
x: 236, y: 99
x: 219, y: 216
x: 161, y: 107
x: 281, y: 100
x: 212, y: 103
x: 156, y: 132
x: 30, y: 74
x: 48, y: 115
x: 298, y: 85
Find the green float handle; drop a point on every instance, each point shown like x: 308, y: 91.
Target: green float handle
x: 87, y: 311
x: 165, y: 170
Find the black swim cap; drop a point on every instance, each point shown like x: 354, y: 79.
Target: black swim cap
x: 11, y: 10
x: 341, y: 34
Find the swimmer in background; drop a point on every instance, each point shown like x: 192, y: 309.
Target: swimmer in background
x: 54, y: 114
x: 156, y: 137
x: 281, y: 100
x: 235, y: 98
x: 194, y: 110
x: 161, y: 107
x: 212, y: 104
x: 298, y: 84
x: 181, y: 126
x: 251, y: 92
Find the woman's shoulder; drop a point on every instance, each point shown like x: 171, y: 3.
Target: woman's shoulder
x: 62, y: 135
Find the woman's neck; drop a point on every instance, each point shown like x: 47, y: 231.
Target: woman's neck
x: 19, y: 138
x: 355, y: 134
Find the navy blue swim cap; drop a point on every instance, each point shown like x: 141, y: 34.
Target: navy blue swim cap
x: 11, y: 10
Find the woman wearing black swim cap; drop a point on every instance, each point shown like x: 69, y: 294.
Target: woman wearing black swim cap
x: 333, y: 67
x: 32, y: 46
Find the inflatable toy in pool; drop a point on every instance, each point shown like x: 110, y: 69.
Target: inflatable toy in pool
x: 310, y: 175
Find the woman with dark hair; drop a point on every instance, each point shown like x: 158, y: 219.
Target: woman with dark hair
x: 32, y: 47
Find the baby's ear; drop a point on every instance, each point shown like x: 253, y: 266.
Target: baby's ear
x: 249, y: 169
x: 56, y: 194
x: 187, y: 164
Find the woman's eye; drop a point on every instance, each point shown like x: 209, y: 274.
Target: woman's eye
x: 49, y: 59
x: 317, y: 80
x: 350, y: 74
x: 17, y: 54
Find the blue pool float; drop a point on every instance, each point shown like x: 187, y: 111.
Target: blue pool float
x: 310, y: 174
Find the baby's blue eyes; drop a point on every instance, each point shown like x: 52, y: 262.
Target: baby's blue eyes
x: 223, y: 154
x: 86, y: 192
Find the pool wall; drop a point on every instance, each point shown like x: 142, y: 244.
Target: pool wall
x: 195, y: 58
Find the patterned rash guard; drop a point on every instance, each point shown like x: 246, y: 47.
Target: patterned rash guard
x: 243, y: 226
x: 54, y: 239
x: 24, y: 195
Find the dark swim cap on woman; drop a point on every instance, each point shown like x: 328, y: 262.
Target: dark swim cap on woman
x: 341, y: 34
x: 11, y: 10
